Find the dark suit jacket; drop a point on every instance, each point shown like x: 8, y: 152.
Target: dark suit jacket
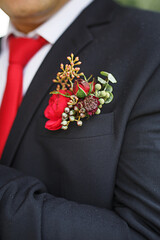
x: 100, y: 181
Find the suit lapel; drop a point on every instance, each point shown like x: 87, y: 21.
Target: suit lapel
x: 73, y: 40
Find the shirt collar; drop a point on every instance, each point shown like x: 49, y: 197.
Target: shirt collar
x: 53, y: 28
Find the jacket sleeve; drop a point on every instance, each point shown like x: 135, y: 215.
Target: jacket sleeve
x: 27, y: 211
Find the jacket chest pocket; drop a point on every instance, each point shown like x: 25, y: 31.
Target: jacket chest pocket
x: 95, y: 126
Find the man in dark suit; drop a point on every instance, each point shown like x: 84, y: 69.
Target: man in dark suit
x: 100, y: 181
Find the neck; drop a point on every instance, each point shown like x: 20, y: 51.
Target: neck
x: 28, y: 24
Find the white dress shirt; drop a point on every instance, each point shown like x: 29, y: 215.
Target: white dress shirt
x: 50, y: 30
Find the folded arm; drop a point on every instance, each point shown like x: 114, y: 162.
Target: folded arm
x: 27, y: 211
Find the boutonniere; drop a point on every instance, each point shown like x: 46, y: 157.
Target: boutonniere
x: 76, y: 96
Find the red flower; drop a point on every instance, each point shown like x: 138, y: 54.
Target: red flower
x: 57, y: 104
x: 91, y: 104
x: 81, y: 88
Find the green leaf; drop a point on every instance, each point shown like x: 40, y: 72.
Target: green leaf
x: 109, y: 88
x: 108, y: 100
x: 102, y: 81
x: 103, y: 73
x: 111, y: 78
x: 81, y: 93
x: 91, y: 85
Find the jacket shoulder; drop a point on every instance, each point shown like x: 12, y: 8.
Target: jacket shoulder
x: 140, y: 21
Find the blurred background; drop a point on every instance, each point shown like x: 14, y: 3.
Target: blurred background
x: 144, y: 4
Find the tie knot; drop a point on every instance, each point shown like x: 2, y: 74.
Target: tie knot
x: 22, y: 49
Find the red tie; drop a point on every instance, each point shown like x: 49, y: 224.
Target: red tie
x: 21, y: 51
